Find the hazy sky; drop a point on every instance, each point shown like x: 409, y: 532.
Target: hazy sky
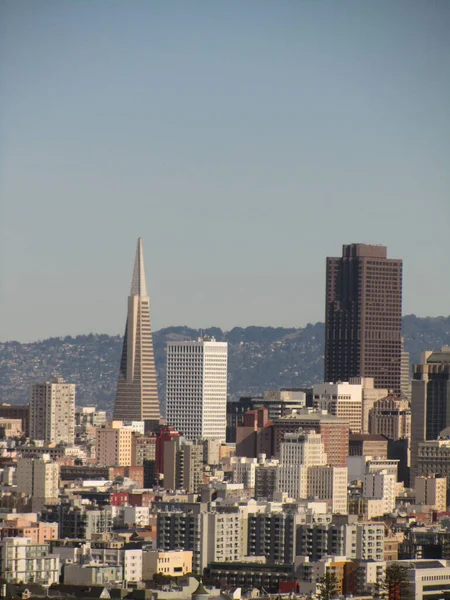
x: 244, y: 141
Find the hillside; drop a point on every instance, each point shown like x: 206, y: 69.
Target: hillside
x: 260, y: 358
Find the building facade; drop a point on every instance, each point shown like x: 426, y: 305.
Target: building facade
x: 342, y: 400
x: 196, y: 388
x: 363, y: 316
x: 137, y: 390
x: 52, y: 412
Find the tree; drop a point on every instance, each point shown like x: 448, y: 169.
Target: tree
x: 328, y: 587
x: 395, y: 584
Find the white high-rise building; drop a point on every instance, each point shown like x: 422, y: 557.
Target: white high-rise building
x: 52, y: 412
x: 196, y: 388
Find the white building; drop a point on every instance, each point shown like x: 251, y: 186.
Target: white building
x: 23, y: 560
x: 196, y: 388
x: 39, y: 478
x: 299, y: 451
x: 432, y: 490
x: 343, y: 400
x: 52, y: 412
x: 224, y: 536
x: 244, y: 470
x: 381, y: 485
x: 136, y: 515
x: 329, y: 483
x: 132, y: 564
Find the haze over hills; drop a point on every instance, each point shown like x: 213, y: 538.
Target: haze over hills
x: 260, y: 358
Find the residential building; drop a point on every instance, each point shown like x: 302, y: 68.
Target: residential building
x: 196, y: 388
x: 38, y: 532
x: 363, y: 316
x: 272, y: 534
x: 431, y: 490
x: 38, y: 478
x: 266, y: 479
x: 381, y: 485
x: 79, y: 521
x: 52, y: 411
x: 137, y: 390
x: 405, y: 382
x: 175, y: 563
x: 115, y: 446
x: 430, y: 399
x: 330, y: 484
x: 244, y: 470
x: 342, y: 400
x: 93, y: 574
x: 183, y: 465
x: 21, y: 560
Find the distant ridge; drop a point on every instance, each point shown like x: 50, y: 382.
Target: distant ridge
x: 260, y: 358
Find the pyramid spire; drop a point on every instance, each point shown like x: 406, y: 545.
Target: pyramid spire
x: 138, y: 284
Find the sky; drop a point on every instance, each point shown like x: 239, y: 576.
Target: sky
x: 243, y: 141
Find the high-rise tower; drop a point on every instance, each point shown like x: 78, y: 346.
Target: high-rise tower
x: 363, y: 321
x: 137, y: 391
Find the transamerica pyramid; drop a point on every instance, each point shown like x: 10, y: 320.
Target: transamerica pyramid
x: 137, y: 391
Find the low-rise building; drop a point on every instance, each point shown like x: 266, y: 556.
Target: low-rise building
x: 172, y: 563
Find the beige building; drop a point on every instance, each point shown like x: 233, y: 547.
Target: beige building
x: 391, y: 417
x: 10, y: 428
x: 38, y: 532
x: 52, y: 412
x: 115, y: 446
x: 343, y: 400
x: 370, y: 395
x: 137, y: 390
x: 330, y: 484
x: 39, y: 478
x: 432, y: 490
x: 183, y: 465
x: 172, y: 563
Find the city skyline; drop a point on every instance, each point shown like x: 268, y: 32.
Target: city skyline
x: 247, y: 142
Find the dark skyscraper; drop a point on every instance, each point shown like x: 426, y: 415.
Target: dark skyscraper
x: 363, y: 319
x: 137, y: 391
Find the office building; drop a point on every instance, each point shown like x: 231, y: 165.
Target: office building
x: 298, y: 452
x: 405, y: 383
x: 115, y: 445
x: 363, y: 317
x: 391, y: 418
x: 343, y: 400
x: 430, y: 399
x: 334, y: 431
x: 255, y: 435
x: 280, y: 402
x: 183, y: 465
x: 52, y: 412
x: 366, y: 444
x: 370, y: 395
x: 431, y: 490
x: 137, y: 391
x: 17, y: 411
x: 196, y: 388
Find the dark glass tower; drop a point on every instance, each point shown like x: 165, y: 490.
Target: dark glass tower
x: 363, y: 321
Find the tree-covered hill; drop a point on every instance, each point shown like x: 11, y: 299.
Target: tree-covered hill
x: 260, y: 358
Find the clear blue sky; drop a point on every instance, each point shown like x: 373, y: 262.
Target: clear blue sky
x: 244, y: 141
